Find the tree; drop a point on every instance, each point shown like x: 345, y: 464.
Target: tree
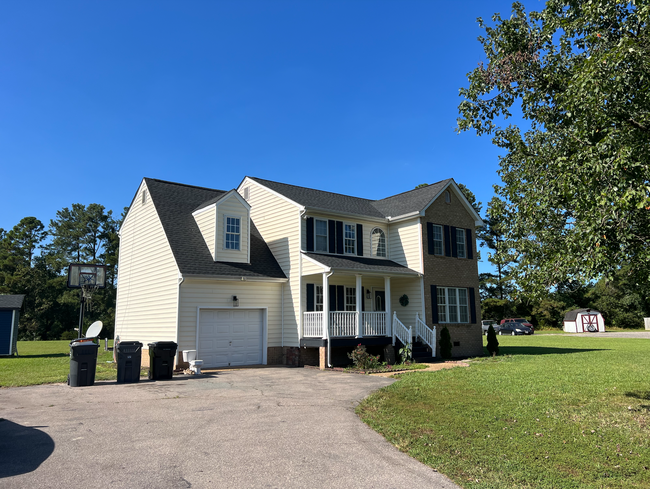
x: 445, y: 343
x: 492, y: 341
x: 576, y: 180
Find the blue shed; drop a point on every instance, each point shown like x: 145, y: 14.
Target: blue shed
x: 9, y: 313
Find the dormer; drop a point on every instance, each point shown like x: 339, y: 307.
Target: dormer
x: 224, y: 223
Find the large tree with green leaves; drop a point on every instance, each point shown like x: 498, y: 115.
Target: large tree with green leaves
x: 576, y: 174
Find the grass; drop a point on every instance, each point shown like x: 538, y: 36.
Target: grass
x: 551, y: 411
x: 48, y: 362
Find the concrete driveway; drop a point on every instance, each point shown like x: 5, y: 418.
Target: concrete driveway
x: 273, y: 427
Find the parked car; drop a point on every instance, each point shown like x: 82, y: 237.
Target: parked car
x: 485, y: 324
x: 514, y: 328
x: 523, y: 321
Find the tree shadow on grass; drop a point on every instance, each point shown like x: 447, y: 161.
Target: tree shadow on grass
x: 542, y: 350
x: 23, y: 448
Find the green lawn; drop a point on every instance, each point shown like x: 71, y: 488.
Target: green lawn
x: 551, y: 411
x: 46, y: 362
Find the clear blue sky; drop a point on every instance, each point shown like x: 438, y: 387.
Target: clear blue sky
x: 356, y: 97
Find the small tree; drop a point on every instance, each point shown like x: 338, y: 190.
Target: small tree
x: 445, y: 343
x: 492, y: 342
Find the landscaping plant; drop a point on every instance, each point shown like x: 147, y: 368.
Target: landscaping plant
x: 362, y: 359
x: 406, y: 353
x: 445, y: 343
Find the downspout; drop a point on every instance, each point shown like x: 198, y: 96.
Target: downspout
x: 327, y: 328
x: 282, y: 315
x: 181, y: 279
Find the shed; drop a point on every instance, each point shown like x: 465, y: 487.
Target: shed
x: 584, y: 321
x: 9, y: 314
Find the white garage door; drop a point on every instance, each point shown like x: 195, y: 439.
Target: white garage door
x: 230, y: 337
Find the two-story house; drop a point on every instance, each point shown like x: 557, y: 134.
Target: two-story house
x: 272, y: 273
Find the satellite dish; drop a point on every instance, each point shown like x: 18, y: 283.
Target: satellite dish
x: 94, y: 329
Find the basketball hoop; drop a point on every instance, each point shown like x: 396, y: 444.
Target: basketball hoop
x: 87, y: 292
x: 88, y: 278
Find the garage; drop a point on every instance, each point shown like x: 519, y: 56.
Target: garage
x: 231, y: 337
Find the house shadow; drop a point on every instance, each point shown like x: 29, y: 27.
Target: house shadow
x: 641, y: 396
x: 22, y: 448
x: 542, y: 350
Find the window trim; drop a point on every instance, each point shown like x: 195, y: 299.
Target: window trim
x: 442, y: 239
x: 326, y: 250
x: 226, y: 233
x: 444, y: 310
x: 373, y: 251
x: 460, y: 232
x: 353, y: 227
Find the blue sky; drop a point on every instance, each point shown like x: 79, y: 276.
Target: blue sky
x: 356, y: 97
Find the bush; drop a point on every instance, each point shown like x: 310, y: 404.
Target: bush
x: 69, y: 335
x: 362, y: 359
x: 492, y: 342
x: 445, y: 343
x: 628, y: 320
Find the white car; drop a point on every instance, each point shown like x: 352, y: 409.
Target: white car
x: 485, y: 324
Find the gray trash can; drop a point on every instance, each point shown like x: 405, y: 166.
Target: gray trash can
x: 83, y: 363
x: 161, y: 359
x: 129, y: 360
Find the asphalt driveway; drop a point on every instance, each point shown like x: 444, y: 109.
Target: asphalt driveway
x: 274, y: 427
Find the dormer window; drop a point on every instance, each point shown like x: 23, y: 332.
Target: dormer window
x: 233, y: 233
x: 378, y: 242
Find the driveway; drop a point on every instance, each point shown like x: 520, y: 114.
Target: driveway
x: 271, y: 428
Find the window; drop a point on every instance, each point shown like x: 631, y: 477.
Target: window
x: 349, y: 242
x: 460, y: 243
x: 437, y: 240
x: 378, y: 242
x: 318, y: 304
x: 144, y: 196
x: 350, y: 299
x: 232, y: 233
x: 320, y: 230
x: 247, y: 193
x: 447, y: 197
x: 453, y: 306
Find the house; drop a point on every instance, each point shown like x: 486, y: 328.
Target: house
x: 10, y: 306
x: 253, y: 275
x: 584, y: 321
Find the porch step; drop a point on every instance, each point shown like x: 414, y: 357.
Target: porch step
x: 421, y: 353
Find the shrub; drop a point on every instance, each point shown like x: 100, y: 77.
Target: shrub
x: 406, y: 353
x: 445, y: 343
x: 362, y: 359
x: 492, y: 342
x: 69, y: 335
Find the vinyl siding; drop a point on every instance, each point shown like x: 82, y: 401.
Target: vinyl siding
x: 197, y: 293
x: 147, y: 286
x: 411, y: 287
x: 277, y: 220
x: 232, y: 207
x: 206, y: 221
x: 309, y: 268
x: 405, y: 244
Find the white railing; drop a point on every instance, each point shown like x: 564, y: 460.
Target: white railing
x: 374, y: 323
x: 343, y: 324
x: 401, y: 332
x: 312, y: 324
x: 425, y: 333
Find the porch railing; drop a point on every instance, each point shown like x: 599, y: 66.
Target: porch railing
x: 312, y: 324
x: 343, y: 324
x: 426, y: 334
x: 401, y: 332
x: 374, y: 323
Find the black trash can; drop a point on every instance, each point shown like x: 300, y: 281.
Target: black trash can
x: 129, y: 360
x: 161, y: 359
x: 83, y: 363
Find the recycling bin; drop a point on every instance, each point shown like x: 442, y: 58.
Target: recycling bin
x: 161, y: 359
x: 83, y: 363
x: 129, y: 360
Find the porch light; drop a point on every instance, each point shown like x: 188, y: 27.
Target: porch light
x: 367, y: 293
x: 235, y: 301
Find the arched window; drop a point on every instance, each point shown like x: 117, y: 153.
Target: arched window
x: 447, y: 197
x: 378, y: 242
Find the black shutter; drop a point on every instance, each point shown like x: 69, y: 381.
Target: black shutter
x: 359, y: 240
x: 447, y: 242
x: 332, y: 297
x: 310, y: 298
x: 310, y: 234
x: 430, y: 238
x: 363, y: 300
x: 331, y: 231
x: 340, y: 298
x: 434, y: 304
x: 454, y: 242
x: 469, y: 241
x: 472, y: 305
x: 339, y: 237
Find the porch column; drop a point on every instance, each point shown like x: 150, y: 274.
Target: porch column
x: 389, y: 311
x: 359, y: 308
x: 326, y: 305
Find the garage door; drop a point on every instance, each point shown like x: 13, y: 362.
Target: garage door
x: 230, y: 337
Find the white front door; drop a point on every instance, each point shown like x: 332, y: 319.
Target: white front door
x: 230, y: 337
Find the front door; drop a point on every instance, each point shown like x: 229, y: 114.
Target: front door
x: 380, y: 301
x: 589, y: 323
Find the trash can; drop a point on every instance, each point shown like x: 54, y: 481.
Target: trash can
x: 129, y: 360
x: 161, y: 359
x: 83, y: 363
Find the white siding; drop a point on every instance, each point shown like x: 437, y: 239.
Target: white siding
x: 206, y: 221
x: 277, y: 220
x: 410, y: 287
x: 405, y: 244
x: 309, y: 267
x: 147, y: 287
x: 232, y: 207
x: 206, y: 293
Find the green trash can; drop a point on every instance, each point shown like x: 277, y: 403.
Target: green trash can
x: 129, y: 360
x: 83, y: 363
x: 161, y: 359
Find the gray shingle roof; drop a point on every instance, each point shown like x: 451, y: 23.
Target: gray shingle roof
x: 11, y: 301
x: 175, y: 203
x: 361, y: 264
x: 573, y: 315
x: 396, y: 205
